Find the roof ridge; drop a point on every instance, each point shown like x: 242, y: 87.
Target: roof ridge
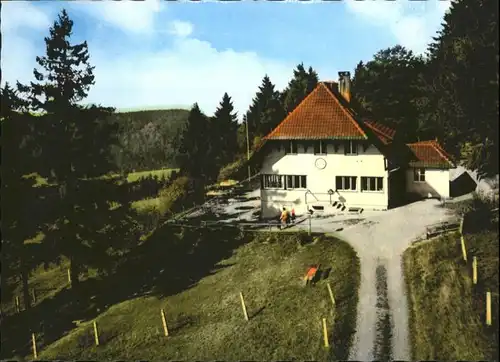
x: 376, y: 129
x: 441, y: 151
x: 356, y: 124
x: 291, y: 113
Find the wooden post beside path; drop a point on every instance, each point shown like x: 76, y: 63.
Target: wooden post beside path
x: 488, y: 308
x: 33, y: 342
x: 464, y: 250
x: 164, y: 321
x: 244, y: 307
x: 96, y: 335
x: 474, y: 270
x: 325, y: 333
x: 331, y: 294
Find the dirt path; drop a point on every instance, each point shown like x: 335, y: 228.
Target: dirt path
x: 385, y: 238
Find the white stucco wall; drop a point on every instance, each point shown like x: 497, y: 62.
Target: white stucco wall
x: 437, y: 183
x: 319, y: 181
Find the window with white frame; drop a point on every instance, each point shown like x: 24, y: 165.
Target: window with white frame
x: 346, y: 183
x: 320, y: 148
x: 296, y: 182
x: 419, y: 175
x: 351, y: 148
x: 291, y: 147
x: 272, y: 181
x: 372, y: 183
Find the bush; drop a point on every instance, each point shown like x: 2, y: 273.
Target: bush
x: 479, y: 215
x: 148, y: 186
x: 182, y: 191
x: 231, y: 170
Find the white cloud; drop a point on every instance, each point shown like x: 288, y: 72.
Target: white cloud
x: 15, y: 15
x: 18, y: 19
x: 181, y: 28
x: 193, y: 71
x: 412, y: 23
x: 130, y: 16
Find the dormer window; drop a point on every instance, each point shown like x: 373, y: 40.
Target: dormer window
x: 320, y: 148
x: 350, y: 148
x: 291, y: 147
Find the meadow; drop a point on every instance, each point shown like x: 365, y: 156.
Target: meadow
x: 447, y: 310
x: 195, y: 276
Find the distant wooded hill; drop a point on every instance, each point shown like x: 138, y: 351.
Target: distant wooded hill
x: 146, y: 138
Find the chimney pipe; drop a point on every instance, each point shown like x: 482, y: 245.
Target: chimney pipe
x: 345, y: 85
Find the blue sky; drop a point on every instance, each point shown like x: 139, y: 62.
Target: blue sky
x: 153, y: 54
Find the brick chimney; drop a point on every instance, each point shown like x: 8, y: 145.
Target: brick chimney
x: 345, y: 85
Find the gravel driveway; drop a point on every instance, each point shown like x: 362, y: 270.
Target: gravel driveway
x: 382, y: 241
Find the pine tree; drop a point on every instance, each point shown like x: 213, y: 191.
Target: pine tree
x: 194, y: 146
x: 386, y: 89
x: 302, y: 83
x: 462, y: 83
x: 266, y: 111
x: 224, y: 126
x: 75, y: 152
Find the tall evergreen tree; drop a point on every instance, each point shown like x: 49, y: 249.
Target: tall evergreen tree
x: 75, y: 151
x: 224, y: 127
x: 302, y: 83
x: 194, y: 145
x: 387, y: 89
x: 462, y: 83
x: 266, y: 110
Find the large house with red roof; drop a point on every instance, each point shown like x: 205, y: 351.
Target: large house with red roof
x: 322, y: 156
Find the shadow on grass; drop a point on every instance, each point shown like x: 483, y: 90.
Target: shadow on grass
x: 172, y: 260
x: 257, y: 312
x: 346, y: 301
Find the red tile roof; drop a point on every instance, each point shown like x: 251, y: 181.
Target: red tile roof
x: 384, y: 133
x: 321, y: 115
x: 430, y: 154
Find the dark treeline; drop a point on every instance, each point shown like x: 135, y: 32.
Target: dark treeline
x: 450, y: 93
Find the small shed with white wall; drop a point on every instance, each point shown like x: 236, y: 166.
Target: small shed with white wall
x: 428, y: 172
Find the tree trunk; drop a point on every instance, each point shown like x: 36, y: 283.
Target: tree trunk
x: 74, y: 272
x: 26, y: 291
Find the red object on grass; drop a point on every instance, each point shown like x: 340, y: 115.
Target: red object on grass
x: 311, y: 272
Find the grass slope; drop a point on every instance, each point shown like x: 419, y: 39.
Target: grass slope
x: 205, y: 317
x: 447, y: 312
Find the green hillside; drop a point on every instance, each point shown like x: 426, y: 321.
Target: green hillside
x: 201, y: 302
